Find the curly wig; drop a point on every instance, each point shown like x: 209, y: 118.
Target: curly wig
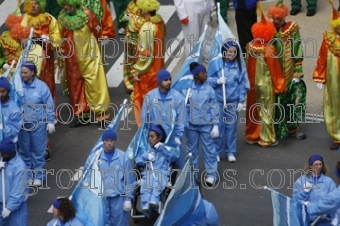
x: 148, y: 5
x: 12, y: 19
x: 18, y: 32
x: 277, y: 11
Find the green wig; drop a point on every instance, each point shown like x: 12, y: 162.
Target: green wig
x: 29, y: 3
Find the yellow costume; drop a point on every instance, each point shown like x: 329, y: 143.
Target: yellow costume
x: 85, y: 76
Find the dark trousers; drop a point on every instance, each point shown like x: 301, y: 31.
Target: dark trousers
x: 224, y: 4
x: 245, y: 18
x: 120, y: 7
x: 311, y: 4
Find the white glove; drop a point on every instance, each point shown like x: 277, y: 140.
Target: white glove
x: 51, y: 128
x: 2, y: 164
x: 305, y: 203
x: 239, y: 107
x: 6, y: 66
x: 335, y: 220
x: 214, y: 132
x: 127, y: 206
x: 296, y: 80
x: 136, y: 78
x: 221, y: 80
x: 126, y: 17
x: 151, y: 156
x: 45, y: 38
x: 178, y: 141
x: 158, y: 145
x: 5, y: 213
x: 319, y: 85
x: 324, y: 216
x: 308, y: 187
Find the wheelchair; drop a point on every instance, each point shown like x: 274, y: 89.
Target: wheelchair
x: 136, y: 212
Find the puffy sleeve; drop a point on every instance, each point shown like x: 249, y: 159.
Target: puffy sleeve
x: 180, y: 8
x: 54, y: 33
x: 319, y: 74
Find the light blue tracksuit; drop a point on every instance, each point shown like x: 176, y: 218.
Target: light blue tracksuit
x: 325, y: 185
x: 160, y: 113
x: 73, y: 222
x: 118, y: 184
x: 236, y: 88
x: 152, y: 187
x: 38, y: 110
x: 201, y: 117
x: 12, y: 117
x: 14, y: 193
x: 328, y: 204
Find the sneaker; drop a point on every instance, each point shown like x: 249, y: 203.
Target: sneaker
x: 37, y: 182
x: 274, y: 144
x: 145, y: 210
x: 121, y: 31
x: 210, y: 181
x: 47, y: 156
x: 29, y: 182
x: 218, y: 158
x: 300, y: 135
x: 231, y: 158
x: 153, y: 205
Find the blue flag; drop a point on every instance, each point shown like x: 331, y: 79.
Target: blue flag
x: 184, y: 78
x: 185, y: 205
x: 87, y: 196
x: 17, y: 92
x: 288, y: 212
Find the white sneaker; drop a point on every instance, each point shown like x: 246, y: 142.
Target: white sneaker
x: 218, y: 158
x: 210, y: 180
x: 121, y: 31
x: 29, y: 182
x: 231, y: 158
x: 37, y: 182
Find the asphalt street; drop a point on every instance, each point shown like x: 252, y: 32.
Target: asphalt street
x: 239, y: 197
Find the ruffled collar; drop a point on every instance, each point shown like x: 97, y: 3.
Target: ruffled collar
x: 332, y: 42
x: 73, y: 22
x: 41, y: 20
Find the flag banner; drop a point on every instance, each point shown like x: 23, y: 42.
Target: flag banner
x: 184, y: 205
x: 184, y: 78
x: 288, y: 212
x: 17, y: 91
x: 87, y: 196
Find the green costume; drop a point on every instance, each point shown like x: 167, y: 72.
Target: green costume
x: 120, y: 7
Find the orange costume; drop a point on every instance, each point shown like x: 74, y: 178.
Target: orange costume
x: 266, y: 79
x: 151, y: 54
x: 107, y: 22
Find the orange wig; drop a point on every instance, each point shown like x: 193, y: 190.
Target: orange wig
x: 19, y: 32
x: 277, y: 11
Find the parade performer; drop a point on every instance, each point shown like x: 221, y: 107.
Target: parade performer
x: 120, y: 181
x: 38, y: 109
x: 64, y: 214
x: 236, y: 81
x: 160, y: 158
x: 150, y: 53
x: 289, y: 49
x: 314, y: 185
x: 13, y: 168
x: 11, y: 113
x: 266, y: 79
x: 327, y: 73
x: 159, y: 102
x: 134, y: 19
x: 194, y: 21
x: 87, y: 84
x: 202, y: 127
x: 120, y: 7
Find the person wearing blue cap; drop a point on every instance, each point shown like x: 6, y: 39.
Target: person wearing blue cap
x: 118, y: 179
x: 11, y: 113
x: 64, y: 213
x: 237, y: 86
x: 329, y: 203
x: 312, y: 186
x: 158, y: 106
x: 38, y: 110
x: 202, y: 121
x: 15, y: 212
x: 158, y: 158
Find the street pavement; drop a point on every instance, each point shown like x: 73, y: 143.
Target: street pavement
x: 239, y: 197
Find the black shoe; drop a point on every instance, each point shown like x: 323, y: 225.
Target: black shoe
x: 47, y: 156
x: 293, y: 12
x: 310, y: 13
x: 79, y: 122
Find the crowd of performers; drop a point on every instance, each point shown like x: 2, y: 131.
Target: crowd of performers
x: 266, y: 86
